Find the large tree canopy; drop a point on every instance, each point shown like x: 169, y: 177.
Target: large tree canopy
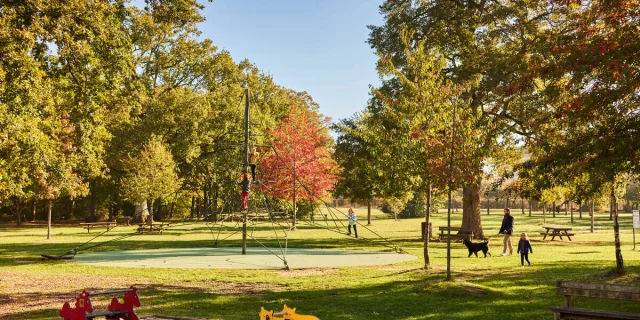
x: 300, y: 164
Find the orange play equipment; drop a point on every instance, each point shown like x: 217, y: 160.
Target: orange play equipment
x: 286, y: 314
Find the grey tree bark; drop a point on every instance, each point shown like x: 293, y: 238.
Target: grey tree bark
x: 471, y: 220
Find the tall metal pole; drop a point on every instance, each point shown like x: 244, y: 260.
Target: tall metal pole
x: 245, y: 165
x: 453, y: 135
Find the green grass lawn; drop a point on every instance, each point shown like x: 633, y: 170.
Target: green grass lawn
x: 492, y: 288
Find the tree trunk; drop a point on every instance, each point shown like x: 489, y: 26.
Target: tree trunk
x: 73, y: 208
x: 369, y: 212
x: 580, y: 209
x: 522, y: 204
x: 488, y: 206
x: 616, y: 232
x: 544, y: 213
x: 427, y: 235
x: 295, y: 205
x: 611, y: 207
x: 173, y: 206
x: 215, y: 201
x: 159, y: 213
x: 17, y: 210
x: 571, y: 209
x: 150, y: 215
x: 141, y: 212
x: 193, y: 206
x: 198, y: 207
x: 592, y: 214
x: 471, y: 219
x: 205, y: 201
x: 34, y: 211
x: 50, y: 203
x: 529, y: 207
x: 553, y: 209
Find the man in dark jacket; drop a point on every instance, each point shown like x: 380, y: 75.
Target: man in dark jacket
x: 507, y: 230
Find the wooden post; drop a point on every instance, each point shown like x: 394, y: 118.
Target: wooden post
x: 568, y: 301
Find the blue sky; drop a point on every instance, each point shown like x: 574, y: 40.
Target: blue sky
x: 316, y: 46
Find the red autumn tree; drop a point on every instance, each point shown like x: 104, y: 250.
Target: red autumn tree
x: 300, y: 165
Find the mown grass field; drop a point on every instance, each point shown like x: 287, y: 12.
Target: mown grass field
x: 492, y: 288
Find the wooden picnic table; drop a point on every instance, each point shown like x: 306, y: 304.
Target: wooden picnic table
x: 556, y: 231
x: 156, y: 227
x: 108, y: 225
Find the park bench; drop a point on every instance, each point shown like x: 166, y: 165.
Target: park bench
x: 123, y: 221
x: 154, y: 228
x: 89, y: 225
x: 116, y: 310
x: 594, y: 290
x: 459, y: 236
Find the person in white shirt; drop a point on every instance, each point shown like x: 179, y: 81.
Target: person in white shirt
x: 352, y: 222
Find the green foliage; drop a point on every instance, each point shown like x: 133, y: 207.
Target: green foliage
x: 89, y: 89
x: 415, y: 207
x: 307, y: 207
x: 151, y: 174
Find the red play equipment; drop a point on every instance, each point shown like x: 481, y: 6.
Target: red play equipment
x: 116, y: 310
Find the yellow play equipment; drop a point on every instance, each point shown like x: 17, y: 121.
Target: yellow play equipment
x: 286, y: 314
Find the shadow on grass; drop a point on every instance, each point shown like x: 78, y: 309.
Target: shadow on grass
x: 517, y: 294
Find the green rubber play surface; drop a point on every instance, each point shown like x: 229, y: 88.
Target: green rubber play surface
x: 232, y: 258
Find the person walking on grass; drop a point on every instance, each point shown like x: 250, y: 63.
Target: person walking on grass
x: 507, y: 230
x: 524, y: 247
x: 246, y: 188
x: 352, y: 222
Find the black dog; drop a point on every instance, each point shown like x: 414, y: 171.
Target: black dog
x: 475, y: 247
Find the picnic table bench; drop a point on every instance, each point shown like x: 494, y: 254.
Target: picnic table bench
x: 594, y: 290
x: 124, y: 221
x: 461, y: 235
x: 557, y: 231
x: 156, y: 227
x: 89, y: 225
